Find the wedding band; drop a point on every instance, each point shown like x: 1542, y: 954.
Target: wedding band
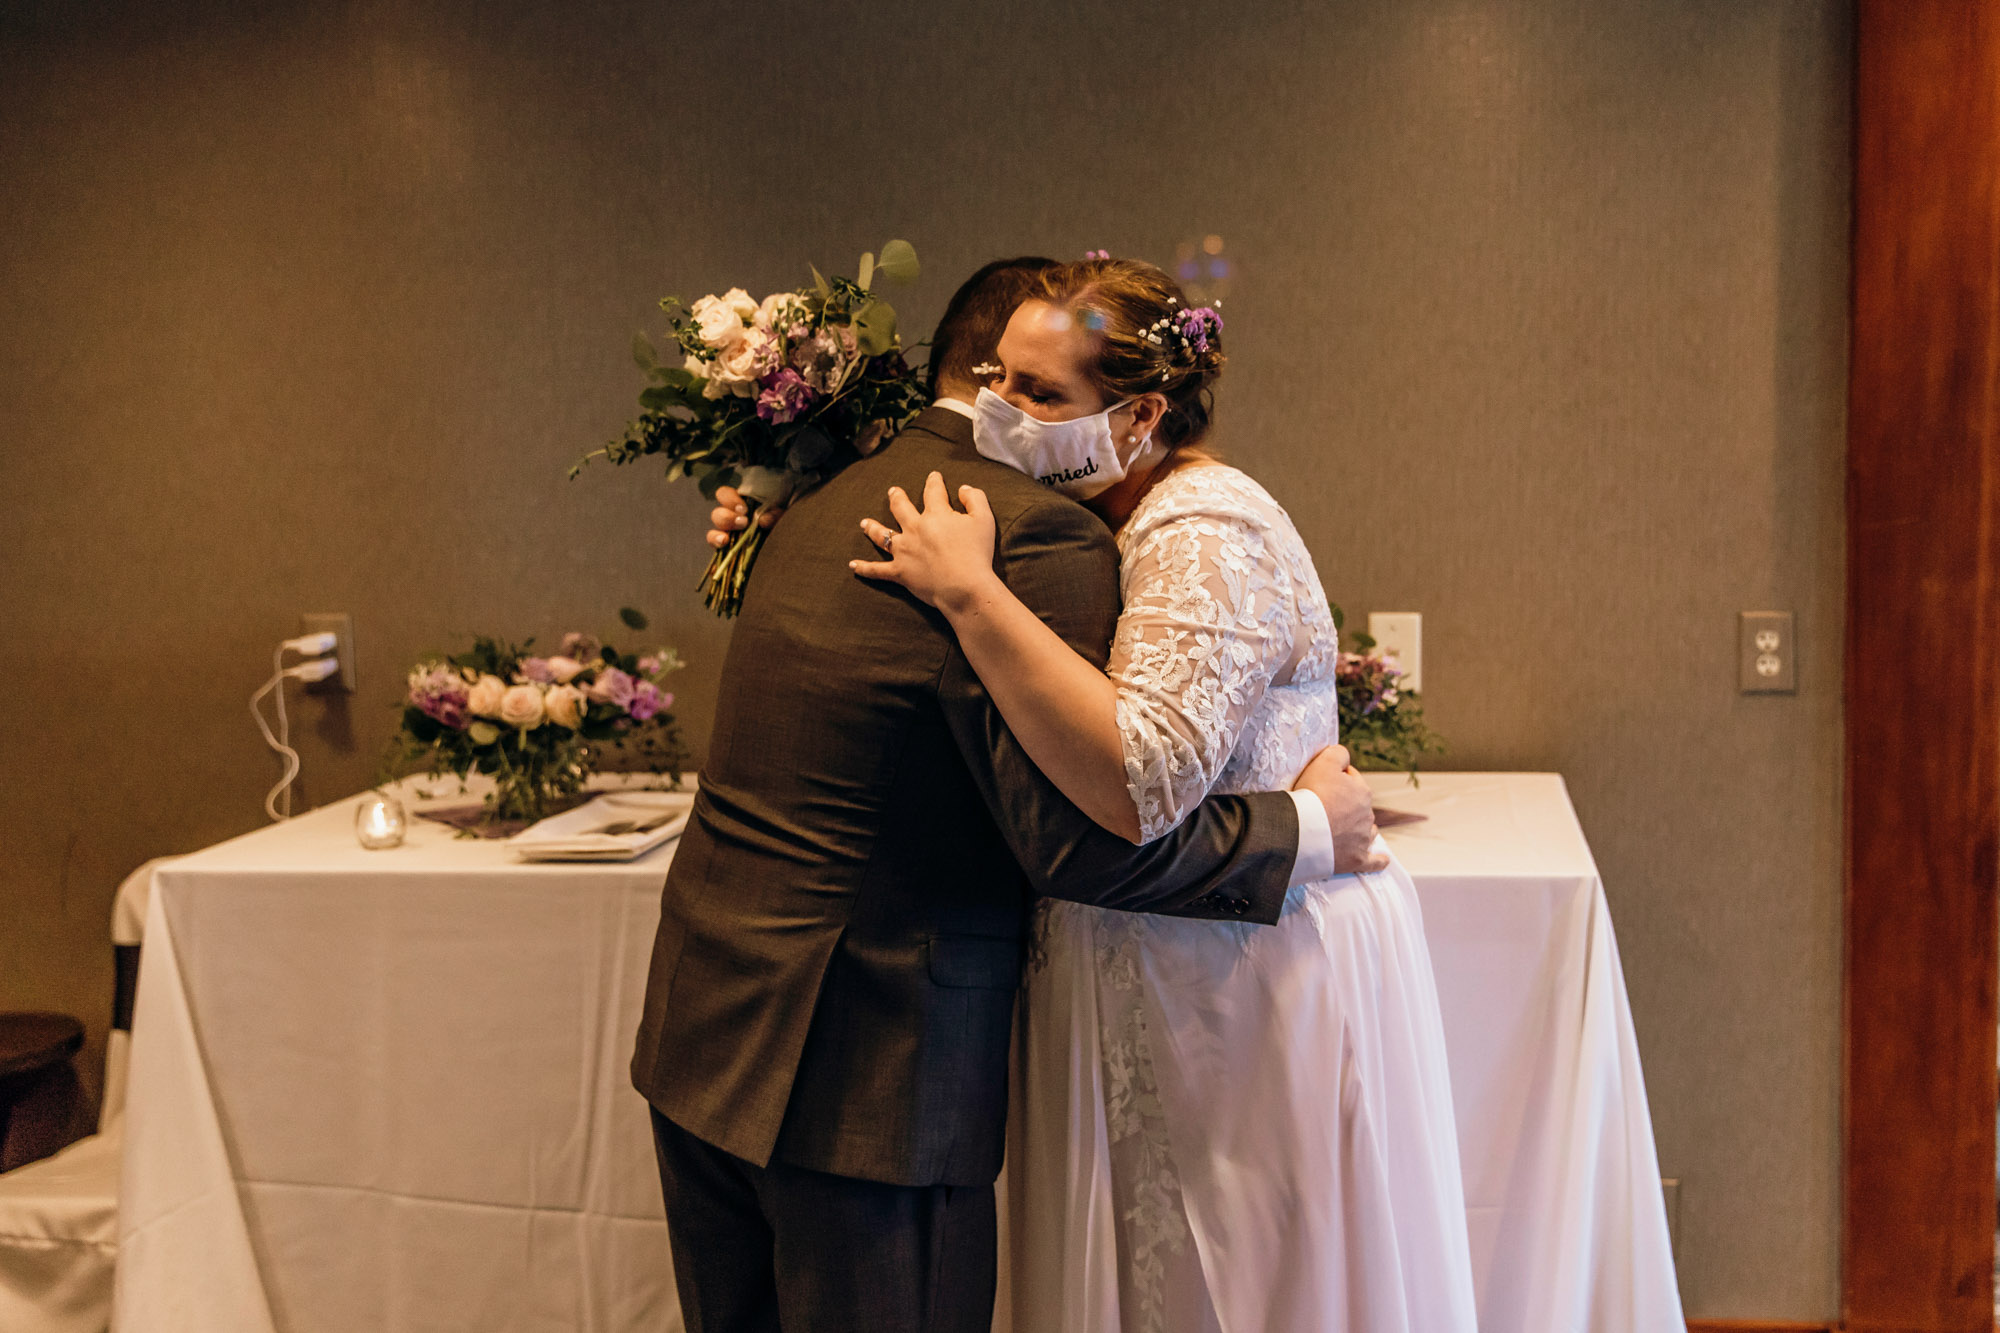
x: 888, y: 543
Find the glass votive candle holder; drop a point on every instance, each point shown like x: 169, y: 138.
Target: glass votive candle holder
x: 379, y: 821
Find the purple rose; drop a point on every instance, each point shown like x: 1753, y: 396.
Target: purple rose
x: 785, y: 395
x: 441, y: 693
x: 647, y: 699
x: 536, y: 669
x: 612, y: 686
x: 581, y: 647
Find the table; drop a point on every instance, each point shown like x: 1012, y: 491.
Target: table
x: 1562, y: 1181
x: 387, y: 1090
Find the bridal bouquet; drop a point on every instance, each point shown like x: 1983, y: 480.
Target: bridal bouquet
x: 537, y: 724
x: 1381, y: 724
x: 772, y: 396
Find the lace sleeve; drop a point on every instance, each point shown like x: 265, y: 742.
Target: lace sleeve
x: 1207, y: 623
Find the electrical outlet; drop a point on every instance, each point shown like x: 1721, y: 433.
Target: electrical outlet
x: 1400, y: 634
x: 1766, y: 653
x: 341, y: 625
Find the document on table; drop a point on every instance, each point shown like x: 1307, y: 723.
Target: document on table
x: 650, y: 817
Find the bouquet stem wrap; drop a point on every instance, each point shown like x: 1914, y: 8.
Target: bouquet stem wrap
x: 728, y: 574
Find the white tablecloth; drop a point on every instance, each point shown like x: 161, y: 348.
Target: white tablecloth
x: 387, y: 1090
x: 1562, y: 1182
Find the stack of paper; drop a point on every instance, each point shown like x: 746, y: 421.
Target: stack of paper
x: 647, y: 819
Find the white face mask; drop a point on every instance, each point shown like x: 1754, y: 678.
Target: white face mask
x: 1075, y: 457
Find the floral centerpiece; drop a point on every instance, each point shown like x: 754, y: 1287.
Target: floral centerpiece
x: 538, y: 725
x: 772, y: 396
x: 1381, y: 723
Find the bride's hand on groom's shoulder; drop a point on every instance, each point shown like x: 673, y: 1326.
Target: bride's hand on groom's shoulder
x: 730, y: 516
x: 942, y: 555
x: 1350, y: 810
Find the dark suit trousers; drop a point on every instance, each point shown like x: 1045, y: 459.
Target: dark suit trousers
x: 758, y: 1249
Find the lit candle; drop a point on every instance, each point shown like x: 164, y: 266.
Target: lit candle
x: 378, y: 821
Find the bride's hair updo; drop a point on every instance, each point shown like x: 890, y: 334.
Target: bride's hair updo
x: 1146, y: 337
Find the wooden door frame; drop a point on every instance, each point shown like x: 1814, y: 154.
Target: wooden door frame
x: 1922, y: 709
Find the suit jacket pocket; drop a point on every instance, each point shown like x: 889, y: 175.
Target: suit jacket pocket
x: 975, y: 960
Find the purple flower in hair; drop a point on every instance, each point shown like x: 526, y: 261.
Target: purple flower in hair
x: 1097, y: 254
x: 1199, y: 326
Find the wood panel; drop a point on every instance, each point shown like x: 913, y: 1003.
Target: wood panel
x: 1922, y: 726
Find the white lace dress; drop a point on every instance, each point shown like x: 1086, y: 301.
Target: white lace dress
x: 1223, y: 1126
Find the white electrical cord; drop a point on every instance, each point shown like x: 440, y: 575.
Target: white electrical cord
x: 317, y: 669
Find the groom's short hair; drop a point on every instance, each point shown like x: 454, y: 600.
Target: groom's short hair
x: 969, y: 332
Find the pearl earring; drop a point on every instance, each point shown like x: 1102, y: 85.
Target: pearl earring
x: 1131, y: 439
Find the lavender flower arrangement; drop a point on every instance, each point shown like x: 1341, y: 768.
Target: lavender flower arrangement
x: 537, y: 724
x: 1381, y: 723
x: 772, y: 396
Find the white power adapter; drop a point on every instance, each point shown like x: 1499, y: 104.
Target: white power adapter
x: 312, y: 645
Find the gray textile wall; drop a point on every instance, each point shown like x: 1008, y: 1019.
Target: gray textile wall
x: 1537, y: 326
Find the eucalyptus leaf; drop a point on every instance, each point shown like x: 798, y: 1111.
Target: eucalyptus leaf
x: 642, y: 351
x: 897, y: 262
x: 483, y: 733
x: 820, y: 284
x: 633, y: 617
x: 866, y: 273
x: 875, y: 328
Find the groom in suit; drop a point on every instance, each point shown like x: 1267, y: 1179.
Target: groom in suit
x: 825, y: 1036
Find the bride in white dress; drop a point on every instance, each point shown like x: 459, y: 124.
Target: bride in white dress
x: 1218, y: 1126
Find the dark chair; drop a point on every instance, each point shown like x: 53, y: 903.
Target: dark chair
x: 39, y: 1092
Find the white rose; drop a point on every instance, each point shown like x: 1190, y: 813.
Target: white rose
x: 739, y: 300
x: 565, y: 705
x: 720, y: 324
x: 711, y: 387
x: 563, y: 669
x: 735, y: 371
x: 773, y: 308
x: 487, y: 692
x: 521, y: 707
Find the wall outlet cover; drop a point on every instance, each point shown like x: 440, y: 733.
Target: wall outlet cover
x: 342, y: 626
x: 1400, y: 634
x: 1767, y: 653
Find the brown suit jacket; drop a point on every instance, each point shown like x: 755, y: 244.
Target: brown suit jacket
x: 841, y: 931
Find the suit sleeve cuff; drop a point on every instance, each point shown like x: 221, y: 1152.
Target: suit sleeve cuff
x: 1315, y: 857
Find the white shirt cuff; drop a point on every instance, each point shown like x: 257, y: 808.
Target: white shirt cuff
x: 1315, y: 858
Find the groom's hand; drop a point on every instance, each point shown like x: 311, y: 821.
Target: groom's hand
x: 730, y: 516
x: 1350, y: 810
